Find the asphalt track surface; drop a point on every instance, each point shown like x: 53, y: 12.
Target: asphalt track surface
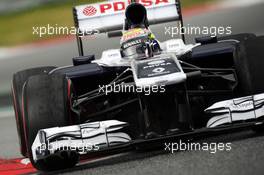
x: 245, y: 157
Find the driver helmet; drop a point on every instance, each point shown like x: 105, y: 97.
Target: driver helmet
x: 139, y: 43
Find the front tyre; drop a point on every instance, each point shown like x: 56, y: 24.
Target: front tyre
x: 46, y: 104
x: 249, y: 68
x: 18, y: 82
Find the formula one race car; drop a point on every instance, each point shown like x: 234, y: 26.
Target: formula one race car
x: 141, y: 95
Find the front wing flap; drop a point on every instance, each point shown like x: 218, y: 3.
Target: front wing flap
x: 80, y: 138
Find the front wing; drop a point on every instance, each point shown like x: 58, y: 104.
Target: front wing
x: 109, y: 137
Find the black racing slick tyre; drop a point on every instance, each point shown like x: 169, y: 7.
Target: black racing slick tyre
x: 249, y: 66
x: 18, y: 81
x: 47, y: 103
x: 250, y: 69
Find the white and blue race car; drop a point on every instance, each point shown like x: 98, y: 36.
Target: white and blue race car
x: 140, y: 95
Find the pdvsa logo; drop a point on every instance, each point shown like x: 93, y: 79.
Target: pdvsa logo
x: 89, y: 11
x: 121, y: 5
x: 118, y: 6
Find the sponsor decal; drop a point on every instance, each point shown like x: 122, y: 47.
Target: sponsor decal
x: 158, y: 70
x: 157, y: 65
x: 173, y: 46
x: 133, y: 33
x: 132, y: 43
x: 118, y: 6
x: 156, y: 62
x: 113, y: 55
x: 89, y: 11
x: 243, y: 106
x: 147, y: 3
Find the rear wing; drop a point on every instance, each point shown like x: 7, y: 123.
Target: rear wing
x: 109, y: 16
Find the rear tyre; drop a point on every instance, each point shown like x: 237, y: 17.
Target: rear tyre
x: 46, y: 102
x: 18, y: 81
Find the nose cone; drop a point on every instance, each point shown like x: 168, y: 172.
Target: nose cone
x: 136, y: 15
